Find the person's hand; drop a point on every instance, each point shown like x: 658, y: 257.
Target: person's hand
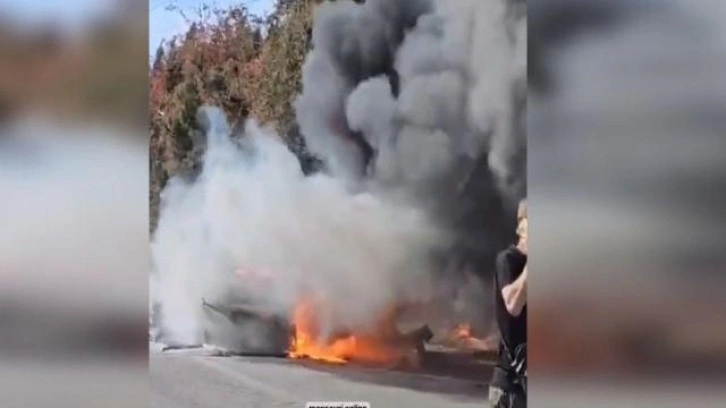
x: 515, y: 294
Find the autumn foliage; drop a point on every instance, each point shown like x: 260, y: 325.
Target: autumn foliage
x: 247, y: 65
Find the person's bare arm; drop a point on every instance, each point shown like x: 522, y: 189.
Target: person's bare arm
x: 515, y: 294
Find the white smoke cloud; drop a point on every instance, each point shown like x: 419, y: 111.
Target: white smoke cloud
x: 253, y: 209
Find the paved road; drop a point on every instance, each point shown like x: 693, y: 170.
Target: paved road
x: 185, y: 380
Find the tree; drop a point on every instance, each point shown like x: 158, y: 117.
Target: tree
x: 246, y: 65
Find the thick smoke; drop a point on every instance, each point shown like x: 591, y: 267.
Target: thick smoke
x: 427, y: 100
x: 416, y: 109
x: 252, y: 209
x: 391, y: 84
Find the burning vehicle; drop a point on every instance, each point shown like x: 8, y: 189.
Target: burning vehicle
x: 386, y: 345
x: 384, y: 255
x: 232, y: 315
x: 228, y: 323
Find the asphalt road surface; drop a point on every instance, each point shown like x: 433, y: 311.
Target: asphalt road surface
x: 186, y: 379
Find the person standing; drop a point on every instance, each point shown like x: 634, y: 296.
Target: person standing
x: 507, y: 388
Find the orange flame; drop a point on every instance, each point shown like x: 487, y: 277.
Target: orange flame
x: 462, y: 331
x: 462, y: 336
x: 359, y: 347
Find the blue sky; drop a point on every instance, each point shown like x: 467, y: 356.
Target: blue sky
x: 164, y: 24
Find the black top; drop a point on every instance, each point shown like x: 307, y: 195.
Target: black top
x: 513, y: 330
